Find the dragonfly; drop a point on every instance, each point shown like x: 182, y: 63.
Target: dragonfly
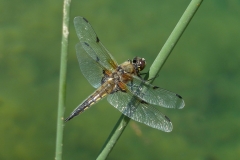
x: 122, y: 84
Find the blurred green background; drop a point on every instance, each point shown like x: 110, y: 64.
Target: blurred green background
x: 203, y: 68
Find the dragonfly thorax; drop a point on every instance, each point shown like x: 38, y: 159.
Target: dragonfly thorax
x: 126, y: 67
x: 133, y: 66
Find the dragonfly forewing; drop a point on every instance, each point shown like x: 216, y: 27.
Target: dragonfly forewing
x: 92, y: 44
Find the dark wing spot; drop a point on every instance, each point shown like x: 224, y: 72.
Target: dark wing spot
x: 178, y: 96
x: 143, y: 102
x: 86, y: 43
x: 85, y: 19
x: 167, y: 119
x: 97, y: 39
x: 155, y: 87
x: 97, y: 59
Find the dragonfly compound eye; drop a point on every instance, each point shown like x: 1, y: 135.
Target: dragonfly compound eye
x: 141, y: 63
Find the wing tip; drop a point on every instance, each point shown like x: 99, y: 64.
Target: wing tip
x: 182, y: 103
x: 84, y: 19
x: 178, y: 96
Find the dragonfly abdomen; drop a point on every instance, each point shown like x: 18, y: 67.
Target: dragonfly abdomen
x: 99, y: 94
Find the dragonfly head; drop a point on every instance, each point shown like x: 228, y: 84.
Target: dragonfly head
x: 139, y: 63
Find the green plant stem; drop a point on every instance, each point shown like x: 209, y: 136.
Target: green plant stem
x: 113, y: 137
x: 62, y: 79
x: 154, y: 70
x: 174, y: 37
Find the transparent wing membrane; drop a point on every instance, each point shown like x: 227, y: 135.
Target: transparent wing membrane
x: 92, y: 44
x: 140, y: 111
x: 155, y: 95
x: 91, y: 70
